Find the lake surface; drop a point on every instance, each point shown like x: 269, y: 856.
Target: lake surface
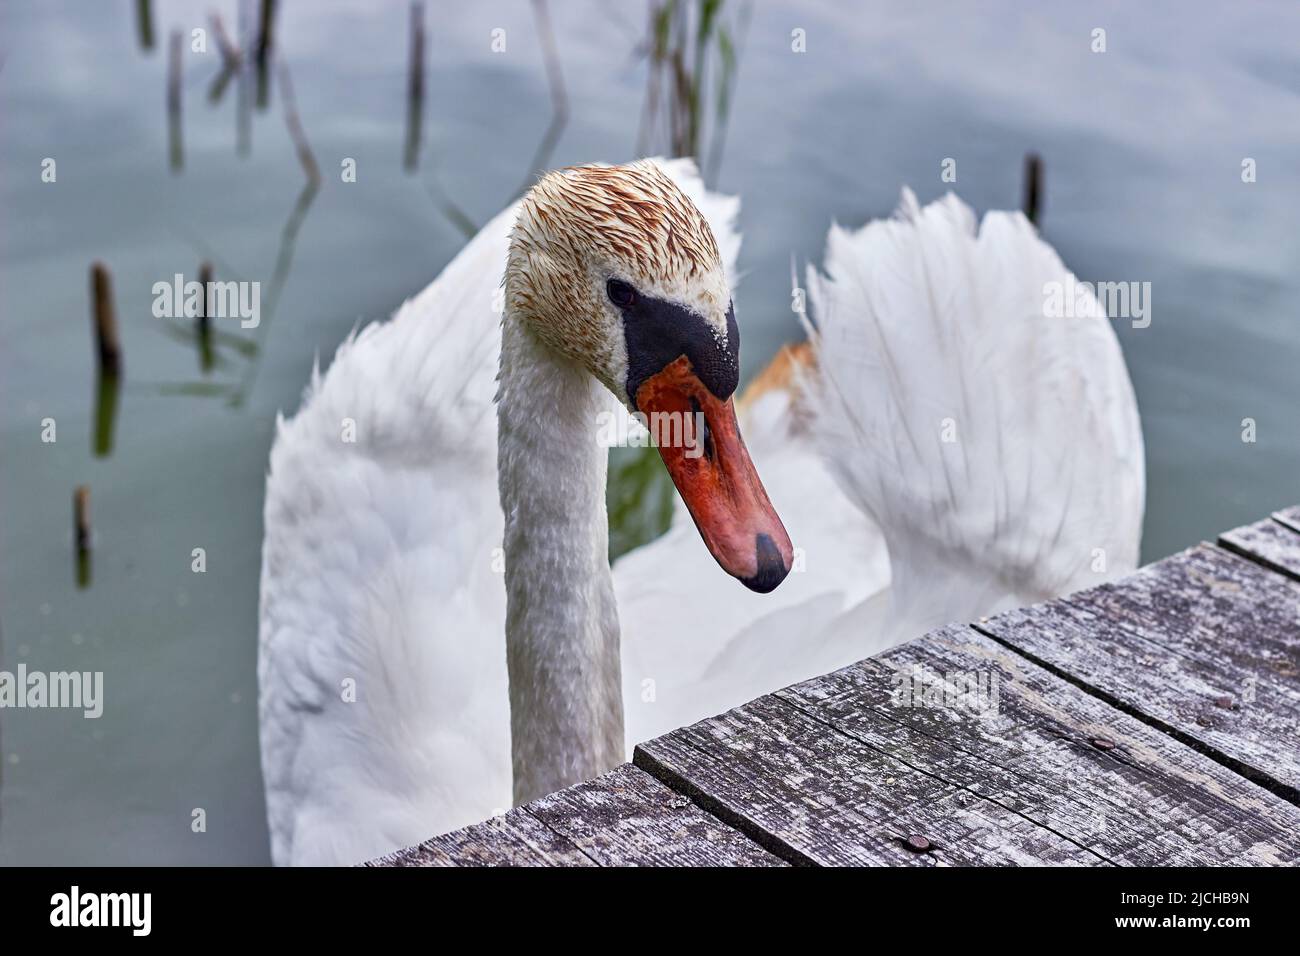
x: 1142, y: 146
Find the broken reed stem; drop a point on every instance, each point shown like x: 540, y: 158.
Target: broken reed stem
x: 230, y: 54
x: 81, y: 534
x: 290, y: 105
x: 144, y: 20
x: 243, y: 106
x: 415, y: 87
x: 207, y: 358
x: 1033, y: 186
x: 205, y: 322
x: 107, y: 345
x: 266, y: 20
x: 174, y: 101
x: 416, y: 78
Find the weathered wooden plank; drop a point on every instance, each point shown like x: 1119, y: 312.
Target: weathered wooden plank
x: 819, y: 796
x: 622, y: 818
x: 1205, y: 645
x: 1269, y: 542
x: 1056, y: 755
x: 628, y: 818
x: 841, y: 770
x: 1289, y: 517
x: 516, y: 838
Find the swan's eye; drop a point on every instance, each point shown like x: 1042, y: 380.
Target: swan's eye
x: 620, y: 293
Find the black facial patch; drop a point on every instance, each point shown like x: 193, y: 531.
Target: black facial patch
x: 658, y: 332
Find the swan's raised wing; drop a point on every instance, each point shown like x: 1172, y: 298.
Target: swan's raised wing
x: 997, y: 446
x: 383, y: 706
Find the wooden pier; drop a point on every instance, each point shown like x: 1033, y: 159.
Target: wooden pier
x: 1154, y: 720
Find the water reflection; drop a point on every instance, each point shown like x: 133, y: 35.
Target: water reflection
x: 283, y: 262
x: 231, y: 58
x: 682, y: 44
x: 175, y: 151
x: 108, y: 353
x: 203, y: 324
x: 200, y: 335
x: 233, y: 64
x: 107, y: 387
x: 559, y: 98
x: 541, y: 160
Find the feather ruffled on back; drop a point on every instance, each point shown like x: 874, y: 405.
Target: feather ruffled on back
x: 999, y: 449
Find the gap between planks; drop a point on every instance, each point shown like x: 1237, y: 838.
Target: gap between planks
x: 774, y: 844
x: 1242, y: 769
x: 1285, y: 521
x: 719, y: 811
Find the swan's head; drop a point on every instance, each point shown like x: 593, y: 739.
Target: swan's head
x: 615, y: 268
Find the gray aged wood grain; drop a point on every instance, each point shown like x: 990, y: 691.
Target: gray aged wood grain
x: 1071, y: 762
x: 516, y: 838
x: 1205, y: 645
x: 839, y: 770
x: 1289, y: 517
x: 623, y: 818
x: 1272, y: 542
x: 628, y: 818
x: 816, y: 796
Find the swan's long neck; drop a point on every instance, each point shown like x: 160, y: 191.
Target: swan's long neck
x: 562, y: 639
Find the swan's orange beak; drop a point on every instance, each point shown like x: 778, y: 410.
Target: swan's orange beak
x: 715, y: 477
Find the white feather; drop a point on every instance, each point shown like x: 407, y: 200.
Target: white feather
x: 368, y: 577
x: 998, y: 449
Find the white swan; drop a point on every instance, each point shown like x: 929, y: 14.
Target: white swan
x: 384, y: 692
x: 382, y: 678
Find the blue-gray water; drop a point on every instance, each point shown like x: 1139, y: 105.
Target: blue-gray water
x: 1142, y: 146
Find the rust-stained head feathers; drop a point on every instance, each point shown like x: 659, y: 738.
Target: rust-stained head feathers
x: 582, y: 226
x: 614, y: 267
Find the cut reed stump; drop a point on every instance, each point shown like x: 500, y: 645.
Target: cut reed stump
x: 144, y: 23
x: 203, y: 327
x: 108, y: 347
x: 262, y: 53
x: 175, y: 148
x: 1033, y: 186
x: 1148, y: 721
x: 81, y: 533
x: 108, y: 352
x: 415, y: 88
